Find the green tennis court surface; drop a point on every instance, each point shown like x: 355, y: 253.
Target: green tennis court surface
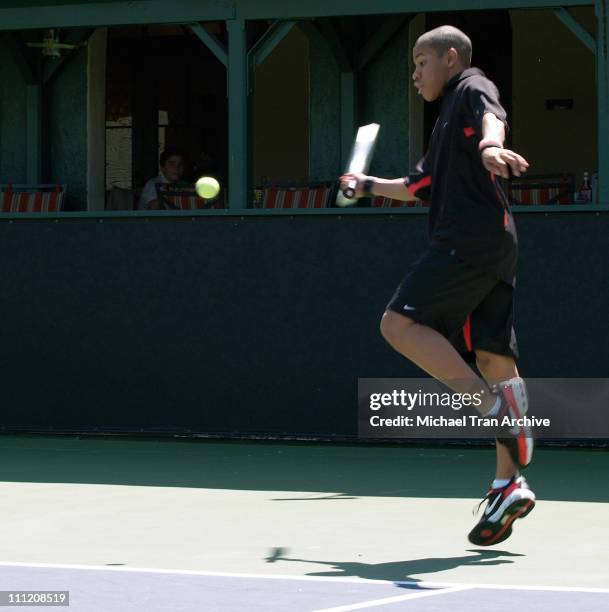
x: 178, y: 525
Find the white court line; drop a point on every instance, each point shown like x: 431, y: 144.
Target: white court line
x: 387, y: 600
x: 354, y: 579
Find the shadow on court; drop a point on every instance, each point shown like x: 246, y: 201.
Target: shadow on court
x: 402, y: 571
x: 335, y: 472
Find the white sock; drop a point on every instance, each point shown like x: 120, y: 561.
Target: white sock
x: 495, y: 409
x: 499, y: 483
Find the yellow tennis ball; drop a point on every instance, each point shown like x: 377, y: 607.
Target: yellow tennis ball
x: 207, y: 187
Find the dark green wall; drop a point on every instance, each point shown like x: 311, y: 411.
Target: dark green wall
x: 254, y: 324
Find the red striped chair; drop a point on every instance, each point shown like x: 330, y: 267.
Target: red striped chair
x: 542, y: 190
x: 382, y: 202
x: 183, y: 198
x: 32, y: 198
x: 310, y: 196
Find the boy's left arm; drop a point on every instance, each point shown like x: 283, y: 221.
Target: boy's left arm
x: 495, y: 158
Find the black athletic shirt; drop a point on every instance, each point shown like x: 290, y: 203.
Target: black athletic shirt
x: 469, y: 210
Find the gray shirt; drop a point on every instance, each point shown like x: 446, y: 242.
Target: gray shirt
x: 149, y: 193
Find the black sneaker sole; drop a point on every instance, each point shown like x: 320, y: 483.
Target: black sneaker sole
x: 487, y: 533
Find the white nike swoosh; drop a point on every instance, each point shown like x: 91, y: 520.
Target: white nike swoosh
x: 409, y: 307
x: 491, y: 507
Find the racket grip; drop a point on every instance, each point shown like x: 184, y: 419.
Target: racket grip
x: 349, y: 190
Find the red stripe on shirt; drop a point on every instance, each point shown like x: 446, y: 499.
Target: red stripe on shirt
x: 467, y: 333
x: 424, y: 182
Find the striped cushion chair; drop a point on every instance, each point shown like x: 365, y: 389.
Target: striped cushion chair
x: 183, y: 198
x: 310, y: 196
x: 32, y: 198
x: 541, y: 190
x: 383, y: 202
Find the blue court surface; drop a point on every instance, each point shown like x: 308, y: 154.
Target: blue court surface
x: 101, y: 589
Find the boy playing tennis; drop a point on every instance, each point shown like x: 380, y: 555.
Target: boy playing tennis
x: 458, y: 296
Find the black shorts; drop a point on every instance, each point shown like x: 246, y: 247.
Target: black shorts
x: 471, y: 307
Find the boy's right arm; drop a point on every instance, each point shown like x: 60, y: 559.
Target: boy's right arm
x: 395, y: 189
x: 149, y: 198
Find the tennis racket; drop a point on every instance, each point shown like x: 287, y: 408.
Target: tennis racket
x: 359, y: 160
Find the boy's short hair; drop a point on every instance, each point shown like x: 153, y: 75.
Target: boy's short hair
x: 169, y: 152
x: 443, y: 38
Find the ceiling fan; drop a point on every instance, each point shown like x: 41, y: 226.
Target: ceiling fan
x: 50, y: 45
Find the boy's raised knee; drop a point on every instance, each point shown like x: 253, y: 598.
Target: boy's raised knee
x: 394, y: 325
